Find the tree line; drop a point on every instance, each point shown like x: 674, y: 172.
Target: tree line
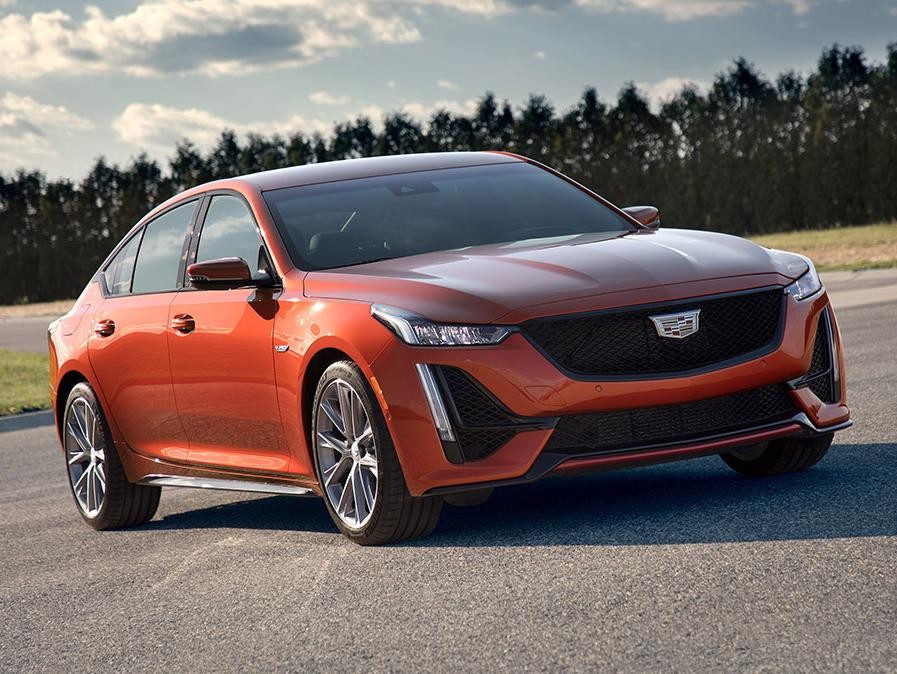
x: 748, y: 156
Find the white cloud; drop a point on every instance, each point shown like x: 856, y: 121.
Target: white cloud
x: 373, y: 112
x: 214, y: 37
x: 326, y: 98
x: 685, y: 10
x: 662, y: 91
x: 28, y: 128
x: 391, y: 84
x: 156, y: 127
x: 800, y: 6
x: 56, y: 116
x: 539, y: 55
x: 672, y: 10
x: 423, y: 111
x: 21, y: 142
x: 480, y: 7
x: 232, y: 37
x: 448, y: 85
x: 161, y: 126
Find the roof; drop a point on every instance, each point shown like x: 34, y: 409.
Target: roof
x: 349, y: 169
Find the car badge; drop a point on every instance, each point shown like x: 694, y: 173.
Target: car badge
x: 677, y: 326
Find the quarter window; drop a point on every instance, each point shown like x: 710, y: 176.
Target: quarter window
x: 159, y: 257
x: 120, y: 270
x: 229, y: 231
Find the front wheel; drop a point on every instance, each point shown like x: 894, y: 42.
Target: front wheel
x: 786, y: 455
x: 357, y: 465
x: 102, y: 493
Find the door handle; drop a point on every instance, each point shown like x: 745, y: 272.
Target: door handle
x: 183, y: 323
x: 105, y: 327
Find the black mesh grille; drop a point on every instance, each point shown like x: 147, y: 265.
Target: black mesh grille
x: 482, y: 426
x: 478, y: 443
x: 608, y: 431
x: 625, y: 341
x: 822, y: 383
x: 474, y: 407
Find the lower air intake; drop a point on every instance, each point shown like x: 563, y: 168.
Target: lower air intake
x: 630, y: 429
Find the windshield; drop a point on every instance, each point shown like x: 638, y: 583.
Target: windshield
x: 356, y: 221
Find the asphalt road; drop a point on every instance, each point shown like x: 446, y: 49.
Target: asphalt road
x: 24, y: 334
x: 679, y: 567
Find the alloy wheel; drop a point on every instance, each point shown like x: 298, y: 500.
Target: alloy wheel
x: 85, y: 453
x: 346, y: 453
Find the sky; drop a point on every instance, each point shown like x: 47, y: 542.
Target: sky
x: 119, y: 77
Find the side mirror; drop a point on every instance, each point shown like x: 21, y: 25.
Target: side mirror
x: 645, y: 215
x: 224, y: 273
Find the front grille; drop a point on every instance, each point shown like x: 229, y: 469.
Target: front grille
x: 820, y: 377
x: 473, y: 406
x: 624, y: 342
x: 613, y: 430
x: 482, y: 425
x: 479, y: 443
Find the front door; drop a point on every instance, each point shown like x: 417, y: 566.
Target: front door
x: 128, y: 349
x: 222, y: 354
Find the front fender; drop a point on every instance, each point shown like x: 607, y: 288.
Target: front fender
x: 306, y: 330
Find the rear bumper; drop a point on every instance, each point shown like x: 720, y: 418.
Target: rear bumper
x: 532, y: 390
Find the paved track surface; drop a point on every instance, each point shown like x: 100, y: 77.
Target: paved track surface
x: 679, y: 567
x: 24, y: 334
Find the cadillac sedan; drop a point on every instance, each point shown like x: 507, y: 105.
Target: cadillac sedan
x: 396, y: 333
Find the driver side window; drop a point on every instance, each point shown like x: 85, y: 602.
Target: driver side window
x: 229, y: 231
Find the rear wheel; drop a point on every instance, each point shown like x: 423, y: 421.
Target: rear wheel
x: 357, y: 465
x: 786, y: 455
x: 102, y: 493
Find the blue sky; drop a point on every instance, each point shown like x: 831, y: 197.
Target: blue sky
x: 120, y: 76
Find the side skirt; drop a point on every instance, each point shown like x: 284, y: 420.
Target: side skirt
x: 225, y: 485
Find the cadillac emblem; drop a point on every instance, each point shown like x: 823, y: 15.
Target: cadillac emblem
x: 677, y: 326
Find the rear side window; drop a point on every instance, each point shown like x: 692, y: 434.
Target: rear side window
x: 159, y: 257
x: 229, y: 231
x: 120, y: 270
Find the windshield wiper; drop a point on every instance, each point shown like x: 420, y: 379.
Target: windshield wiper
x: 373, y: 259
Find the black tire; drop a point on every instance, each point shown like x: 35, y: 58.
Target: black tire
x: 123, y: 504
x: 786, y: 455
x: 396, y: 515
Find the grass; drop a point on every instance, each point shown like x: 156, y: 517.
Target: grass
x: 851, y: 248
x: 23, y: 382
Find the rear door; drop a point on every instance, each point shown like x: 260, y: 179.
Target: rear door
x: 222, y: 362
x: 129, y: 348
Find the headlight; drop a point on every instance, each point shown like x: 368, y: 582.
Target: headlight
x: 414, y: 329
x: 807, y: 283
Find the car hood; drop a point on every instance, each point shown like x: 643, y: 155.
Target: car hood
x: 485, y: 283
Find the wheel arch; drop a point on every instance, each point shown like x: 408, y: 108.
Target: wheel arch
x: 68, y: 381
x: 324, y: 357
x: 310, y: 378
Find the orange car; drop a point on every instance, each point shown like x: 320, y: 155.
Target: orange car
x: 399, y: 332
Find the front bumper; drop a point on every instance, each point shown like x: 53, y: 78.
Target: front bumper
x: 537, y: 393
